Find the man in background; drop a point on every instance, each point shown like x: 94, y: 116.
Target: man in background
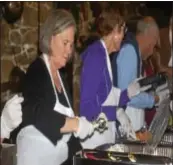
x: 129, y: 67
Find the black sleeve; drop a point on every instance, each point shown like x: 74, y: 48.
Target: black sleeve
x: 39, y: 101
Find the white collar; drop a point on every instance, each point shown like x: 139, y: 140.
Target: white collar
x: 108, y: 62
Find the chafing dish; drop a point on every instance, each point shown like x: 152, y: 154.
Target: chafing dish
x: 167, y: 138
x: 143, y: 149
x: 95, y: 157
x: 165, y: 147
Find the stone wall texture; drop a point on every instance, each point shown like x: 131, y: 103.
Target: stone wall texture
x: 19, y: 42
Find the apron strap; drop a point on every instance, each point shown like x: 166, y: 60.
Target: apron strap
x: 107, y: 61
x: 45, y: 58
x: 65, y: 93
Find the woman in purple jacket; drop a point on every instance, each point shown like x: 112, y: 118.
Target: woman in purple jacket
x: 97, y: 93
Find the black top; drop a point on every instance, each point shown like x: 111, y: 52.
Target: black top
x: 39, y: 102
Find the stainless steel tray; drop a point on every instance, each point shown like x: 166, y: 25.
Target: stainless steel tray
x: 139, y: 148
x: 159, y: 123
x: 166, y: 151
x: 160, y: 151
x: 167, y: 139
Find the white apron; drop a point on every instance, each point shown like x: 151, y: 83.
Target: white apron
x: 137, y: 117
x: 33, y: 148
x: 108, y: 136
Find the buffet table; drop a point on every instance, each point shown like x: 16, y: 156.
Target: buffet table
x: 129, y: 153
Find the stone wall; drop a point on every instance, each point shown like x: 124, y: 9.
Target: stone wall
x: 19, y: 42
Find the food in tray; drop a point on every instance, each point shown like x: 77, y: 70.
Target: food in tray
x: 144, y: 136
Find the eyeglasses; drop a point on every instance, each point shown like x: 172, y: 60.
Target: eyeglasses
x: 123, y: 28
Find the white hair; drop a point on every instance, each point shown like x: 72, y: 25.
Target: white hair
x: 56, y: 23
x: 144, y: 26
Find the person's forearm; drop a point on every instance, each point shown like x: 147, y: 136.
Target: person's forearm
x: 169, y: 72
x: 71, y: 125
x: 142, y: 101
x: 156, y: 99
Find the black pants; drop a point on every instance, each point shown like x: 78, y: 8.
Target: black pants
x: 73, y: 147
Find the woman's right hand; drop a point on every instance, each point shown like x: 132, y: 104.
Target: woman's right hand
x: 85, y: 128
x: 11, y: 115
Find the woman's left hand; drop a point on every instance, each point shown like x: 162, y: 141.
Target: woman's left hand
x: 126, y: 124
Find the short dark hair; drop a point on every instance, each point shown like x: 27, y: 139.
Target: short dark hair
x: 108, y: 20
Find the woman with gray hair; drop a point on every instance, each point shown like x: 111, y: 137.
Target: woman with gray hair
x: 48, y: 119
